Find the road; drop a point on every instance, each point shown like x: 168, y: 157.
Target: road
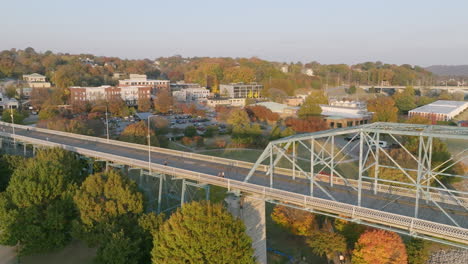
x: 381, y: 201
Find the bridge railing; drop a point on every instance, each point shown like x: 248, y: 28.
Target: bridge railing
x: 383, y: 188
x: 410, y: 224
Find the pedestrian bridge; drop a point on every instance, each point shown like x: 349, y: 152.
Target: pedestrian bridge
x: 319, y: 172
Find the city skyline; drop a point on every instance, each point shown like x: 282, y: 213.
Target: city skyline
x: 418, y: 33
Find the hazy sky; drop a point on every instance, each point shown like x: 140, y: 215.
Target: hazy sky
x: 420, y: 32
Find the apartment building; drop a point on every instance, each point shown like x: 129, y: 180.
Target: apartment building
x: 241, y: 90
x: 36, y: 80
x: 180, y: 85
x: 129, y: 94
x: 235, y: 102
x: 7, y: 103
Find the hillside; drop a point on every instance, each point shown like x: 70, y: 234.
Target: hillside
x: 449, y: 70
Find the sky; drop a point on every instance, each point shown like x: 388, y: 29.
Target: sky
x: 416, y: 32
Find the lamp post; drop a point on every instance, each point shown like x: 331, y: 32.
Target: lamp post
x: 149, y: 144
x: 13, y: 125
x: 107, y: 125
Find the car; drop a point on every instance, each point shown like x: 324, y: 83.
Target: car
x: 352, y: 138
x: 382, y: 144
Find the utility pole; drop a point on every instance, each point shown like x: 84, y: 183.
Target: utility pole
x: 149, y: 145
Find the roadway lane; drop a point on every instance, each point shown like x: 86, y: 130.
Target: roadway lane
x: 381, y: 201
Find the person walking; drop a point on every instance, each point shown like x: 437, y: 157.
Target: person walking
x: 222, y: 174
x: 165, y: 162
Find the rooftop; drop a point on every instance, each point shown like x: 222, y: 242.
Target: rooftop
x: 276, y: 107
x: 441, y: 107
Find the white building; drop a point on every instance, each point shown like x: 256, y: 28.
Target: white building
x: 345, y: 113
x: 440, y: 110
x: 141, y: 80
x: 285, y: 68
x: 191, y: 94
x: 36, y: 80
x: 308, y: 72
x: 235, y: 102
x: 241, y: 90
x: 7, y: 103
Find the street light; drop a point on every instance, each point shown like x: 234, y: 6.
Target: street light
x: 107, y: 125
x: 13, y: 125
x: 149, y: 144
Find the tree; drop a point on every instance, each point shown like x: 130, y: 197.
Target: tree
x: 352, y: 89
x: 311, y: 106
x: 239, y: 120
x: 110, y: 213
x: 138, y: 133
x: 325, y: 243
x: 297, y: 221
x: 144, y: 104
x: 190, y: 131
x: 201, y: 232
x: 239, y: 74
x: 36, y: 210
x: 384, y: 109
x: 308, y: 124
x: 18, y: 117
x: 118, y: 107
x: 8, y: 163
x: 163, y: 102
x: 379, y: 247
x: 418, y: 251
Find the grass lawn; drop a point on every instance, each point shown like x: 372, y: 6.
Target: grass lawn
x: 75, y: 253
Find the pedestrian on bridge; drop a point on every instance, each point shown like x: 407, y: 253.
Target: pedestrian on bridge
x: 222, y: 174
x: 165, y: 162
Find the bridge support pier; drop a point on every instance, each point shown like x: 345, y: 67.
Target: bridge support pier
x: 251, y: 210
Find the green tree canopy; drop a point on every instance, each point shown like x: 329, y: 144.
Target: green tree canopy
x: 384, y: 109
x: 326, y: 243
x: 201, y: 232
x: 311, y: 105
x: 111, y: 218
x: 36, y: 210
x: 18, y: 117
x: 8, y: 163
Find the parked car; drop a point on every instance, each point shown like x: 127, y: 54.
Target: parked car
x: 350, y: 138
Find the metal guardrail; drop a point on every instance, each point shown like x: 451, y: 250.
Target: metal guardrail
x: 410, y: 224
x: 394, y: 190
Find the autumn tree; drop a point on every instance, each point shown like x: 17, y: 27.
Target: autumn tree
x: 138, y: 133
x: 144, y: 104
x: 379, y: 246
x: 118, y: 107
x: 163, y: 102
x: 36, y: 209
x: 238, y: 74
x: 202, y: 232
x: 311, y: 105
x: 298, y: 222
x: 308, y: 124
x: 261, y: 113
x: 384, y: 109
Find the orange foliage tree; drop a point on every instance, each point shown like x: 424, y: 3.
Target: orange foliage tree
x: 379, y: 247
x: 299, y: 222
x: 309, y: 124
x: 261, y: 113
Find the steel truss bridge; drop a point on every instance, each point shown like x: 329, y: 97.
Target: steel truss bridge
x: 319, y: 172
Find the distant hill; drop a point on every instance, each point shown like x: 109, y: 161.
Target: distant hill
x: 449, y: 70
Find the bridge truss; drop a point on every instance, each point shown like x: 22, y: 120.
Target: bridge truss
x: 399, y: 162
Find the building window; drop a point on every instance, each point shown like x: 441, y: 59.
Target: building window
x: 349, y: 123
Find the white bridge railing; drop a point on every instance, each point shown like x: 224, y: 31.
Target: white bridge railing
x: 410, y: 224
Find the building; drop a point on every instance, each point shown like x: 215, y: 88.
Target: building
x: 340, y: 114
x: 241, y: 90
x: 235, y: 102
x: 24, y: 92
x: 308, y: 72
x: 36, y: 80
x: 177, y: 86
x: 141, y: 80
x: 129, y: 94
x: 191, y: 94
x: 7, y: 103
x: 285, y: 68
x: 282, y: 109
x: 293, y: 100
x: 440, y: 110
